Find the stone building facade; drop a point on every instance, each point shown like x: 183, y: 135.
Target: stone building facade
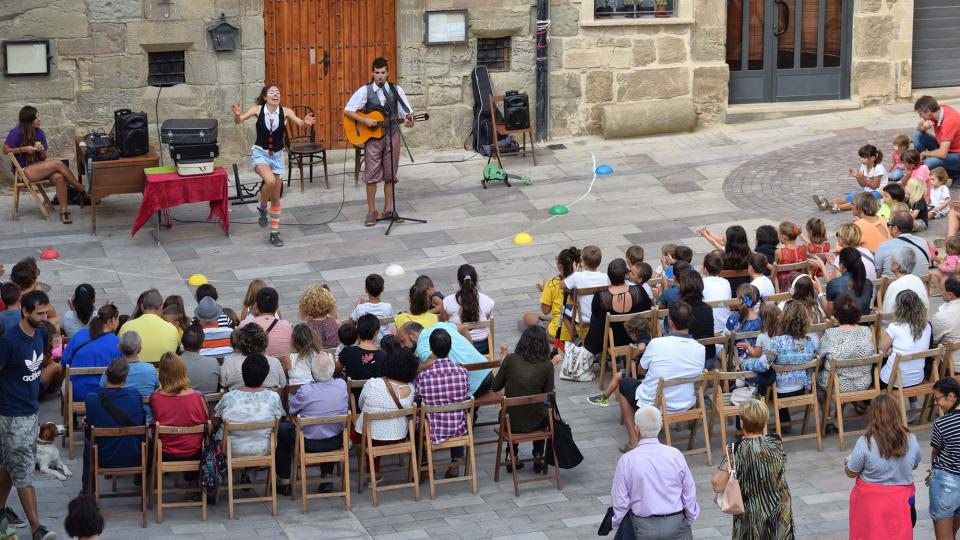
x: 657, y: 73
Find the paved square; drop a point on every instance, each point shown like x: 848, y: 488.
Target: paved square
x: 662, y: 189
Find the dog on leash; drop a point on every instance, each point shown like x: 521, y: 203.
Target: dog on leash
x: 48, y: 455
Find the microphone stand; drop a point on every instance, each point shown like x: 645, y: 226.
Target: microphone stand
x: 391, y: 125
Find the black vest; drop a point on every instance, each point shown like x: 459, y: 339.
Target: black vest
x: 392, y: 105
x: 272, y: 141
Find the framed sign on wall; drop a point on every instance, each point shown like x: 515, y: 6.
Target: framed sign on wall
x: 445, y: 27
x: 26, y: 57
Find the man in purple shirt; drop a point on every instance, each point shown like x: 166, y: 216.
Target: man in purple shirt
x: 653, y: 485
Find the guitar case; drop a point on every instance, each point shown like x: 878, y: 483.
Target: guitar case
x: 482, y: 129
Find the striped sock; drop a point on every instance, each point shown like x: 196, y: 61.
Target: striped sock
x: 275, y: 219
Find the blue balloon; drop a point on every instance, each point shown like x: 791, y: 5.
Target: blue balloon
x: 604, y: 169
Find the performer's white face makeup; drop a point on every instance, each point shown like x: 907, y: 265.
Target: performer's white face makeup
x: 273, y: 95
x: 380, y: 75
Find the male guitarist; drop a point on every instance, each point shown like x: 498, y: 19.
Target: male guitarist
x: 381, y: 157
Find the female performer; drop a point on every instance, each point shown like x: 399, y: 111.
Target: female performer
x: 29, y: 144
x: 268, y: 151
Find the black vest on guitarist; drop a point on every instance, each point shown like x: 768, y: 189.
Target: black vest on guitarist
x: 271, y: 141
x: 390, y: 108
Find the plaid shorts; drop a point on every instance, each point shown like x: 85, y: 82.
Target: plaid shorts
x: 18, y: 447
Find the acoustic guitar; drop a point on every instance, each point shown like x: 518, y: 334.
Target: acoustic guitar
x: 359, y: 133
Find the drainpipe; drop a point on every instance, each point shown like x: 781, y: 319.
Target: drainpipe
x: 543, y: 86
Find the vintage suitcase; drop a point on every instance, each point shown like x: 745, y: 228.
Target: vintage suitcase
x: 194, y: 152
x: 189, y: 131
x: 194, y: 167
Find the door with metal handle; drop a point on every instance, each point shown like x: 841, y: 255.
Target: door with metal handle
x: 326, y: 62
x: 783, y: 14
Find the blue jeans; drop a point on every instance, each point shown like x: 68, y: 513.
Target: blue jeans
x: 896, y: 175
x: 944, y: 495
x: 926, y: 141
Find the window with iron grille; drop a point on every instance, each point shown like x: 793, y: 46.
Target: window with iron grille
x: 633, y: 9
x: 166, y: 68
x: 494, y: 53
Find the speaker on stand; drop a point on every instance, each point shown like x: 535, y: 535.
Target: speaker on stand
x: 516, y: 110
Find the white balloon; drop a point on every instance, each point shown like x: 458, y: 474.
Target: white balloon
x: 394, y: 270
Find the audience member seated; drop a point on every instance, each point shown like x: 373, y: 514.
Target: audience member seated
x: 93, y: 346
x: 617, y: 299
x: 203, y: 371
x: 175, y: 313
x: 469, y: 305
x: 873, y: 229
x: 208, y: 290
x: 846, y: 341
x: 247, y: 341
x: 653, y: 490
x: 946, y: 321
x: 758, y: 275
x: 250, y: 403
x: 83, y: 307
x: 116, y: 405
x: 767, y: 240
x: 305, y: 351
x: 177, y: 404
x: 552, y: 296
x: 216, y: 328
x: 852, y: 280
x: 323, y: 395
x: 11, y: 316
x: 789, y: 253
x: 671, y: 292
x: 586, y: 278
x: 249, y: 302
x: 364, y: 360
x: 26, y: 274
x: 668, y: 357
x: 717, y: 288
x: 157, y: 335
x: 141, y: 377
x: 420, y: 307
x: 318, y: 308
x: 901, y: 227
x: 462, y: 352
x: 849, y: 236
x: 372, y: 304
x: 701, y: 322
x: 736, y: 251
x: 266, y: 315
x: 902, y: 263
x: 444, y: 382
x: 908, y: 333
x: 391, y: 392
x: 525, y: 372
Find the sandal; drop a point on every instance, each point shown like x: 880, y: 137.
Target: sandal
x: 371, y: 219
x: 65, y: 218
x: 390, y: 216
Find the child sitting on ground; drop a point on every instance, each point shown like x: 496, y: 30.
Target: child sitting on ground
x: 10, y: 292
x: 915, y: 168
x: 638, y: 328
x: 901, y: 143
x: 918, y: 206
x: 790, y: 252
x: 372, y: 304
x: 946, y: 265
x: 871, y: 176
x: 939, y: 193
x: 890, y: 194
x: 758, y: 265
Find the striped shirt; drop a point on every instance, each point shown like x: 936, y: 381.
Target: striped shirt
x: 946, y: 439
x: 443, y: 383
x: 216, y: 339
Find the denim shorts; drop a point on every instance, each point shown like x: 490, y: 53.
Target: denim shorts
x: 263, y: 157
x: 852, y: 194
x: 944, y: 495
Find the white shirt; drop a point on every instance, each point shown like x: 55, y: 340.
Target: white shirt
x: 717, y: 288
x: 903, y: 343
x: 868, y: 264
x: 452, y: 308
x: 359, y: 98
x: 382, y: 310
x: 584, y: 280
x: 877, y: 170
x: 938, y: 195
x: 899, y: 285
x: 671, y: 357
x: 764, y: 285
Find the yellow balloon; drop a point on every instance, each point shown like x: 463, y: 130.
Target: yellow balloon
x: 522, y: 239
x: 197, y: 280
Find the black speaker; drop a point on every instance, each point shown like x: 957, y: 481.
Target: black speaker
x: 516, y: 110
x: 130, y: 132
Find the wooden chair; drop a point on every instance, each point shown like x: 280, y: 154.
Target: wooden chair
x: 237, y: 463
x: 161, y: 467
x: 804, y: 267
x: 464, y: 441
x: 303, y: 148
x: 304, y: 459
x: 500, y: 130
x: 885, y: 281
x: 36, y: 189
x: 777, y: 298
x: 491, y: 342
x: 950, y: 349
x: 807, y: 401
x: 722, y: 406
x: 835, y: 398
x: 354, y: 384
x: 576, y: 318
x: 212, y: 400
x: 694, y: 415
x: 735, y: 337
x: 357, y: 163
x: 403, y: 447
x: 722, y: 346
x: 490, y: 398
x: 114, y: 472
x: 873, y: 321
x: 924, y: 389
x: 507, y: 436
x: 74, y: 410
x: 611, y: 350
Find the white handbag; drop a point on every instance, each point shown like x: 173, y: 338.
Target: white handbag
x: 577, y: 364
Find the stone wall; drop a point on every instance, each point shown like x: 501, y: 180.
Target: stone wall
x: 99, y: 64
x: 882, y: 51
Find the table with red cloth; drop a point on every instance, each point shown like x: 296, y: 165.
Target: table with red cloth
x: 168, y: 189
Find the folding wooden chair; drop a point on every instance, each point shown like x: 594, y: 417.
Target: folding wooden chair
x: 777, y: 298
x: 387, y: 321
x: 885, y: 281
x: 508, y: 437
x: 578, y: 327
x: 491, y: 342
x: 834, y: 398
x: 267, y: 461
x: 35, y: 189
x: 352, y: 385
x: 403, y: 447
x: 500, y: 130
x: 305, y: 459
x: 490, y: 398
x: 951, y: 358
x: 802, y: 267
x: 212, y: 399
x: 924, y: 389
x: 114, y: 472
x: 73, y: 411
x: 733, y: 358
x: 807, y: 401
x: 722, y: 405
x: 722, y: 345
x: 612, y: 350
x: 873, y: 321
x: 693, y: 415
x: 161, y: 467
x: 464, y: 441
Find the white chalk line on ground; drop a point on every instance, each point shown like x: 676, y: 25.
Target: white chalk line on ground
x: 428, y: 264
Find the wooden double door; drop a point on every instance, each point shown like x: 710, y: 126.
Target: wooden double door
x: 319, y: 52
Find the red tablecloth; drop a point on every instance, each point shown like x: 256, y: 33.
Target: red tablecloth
x: 167, y: 190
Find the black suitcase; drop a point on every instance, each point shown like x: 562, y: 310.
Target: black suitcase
x: 189, y: 131
x: 194, y: 152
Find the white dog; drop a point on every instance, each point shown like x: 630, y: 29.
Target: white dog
x: 48, y: 455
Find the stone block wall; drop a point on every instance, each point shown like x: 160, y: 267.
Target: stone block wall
x: 882, y: 51
x: 99, y: 64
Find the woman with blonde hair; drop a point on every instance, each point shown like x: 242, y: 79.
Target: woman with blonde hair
x: 848, y: 235
x: 176, y: 403
x: 882, y: 462
x: 318, y: 308
x: 873, y: 228
x: 760, y: 463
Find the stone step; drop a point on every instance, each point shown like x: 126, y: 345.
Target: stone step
x: 941, y: 93
x: 752, y: 112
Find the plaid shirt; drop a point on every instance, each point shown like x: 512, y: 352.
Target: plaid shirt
x: 443, y: 383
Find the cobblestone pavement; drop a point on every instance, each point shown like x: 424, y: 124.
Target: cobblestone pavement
x: 662, y: 189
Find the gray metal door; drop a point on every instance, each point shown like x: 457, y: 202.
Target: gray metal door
x: 936, y: 43
x: 788, y: 50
